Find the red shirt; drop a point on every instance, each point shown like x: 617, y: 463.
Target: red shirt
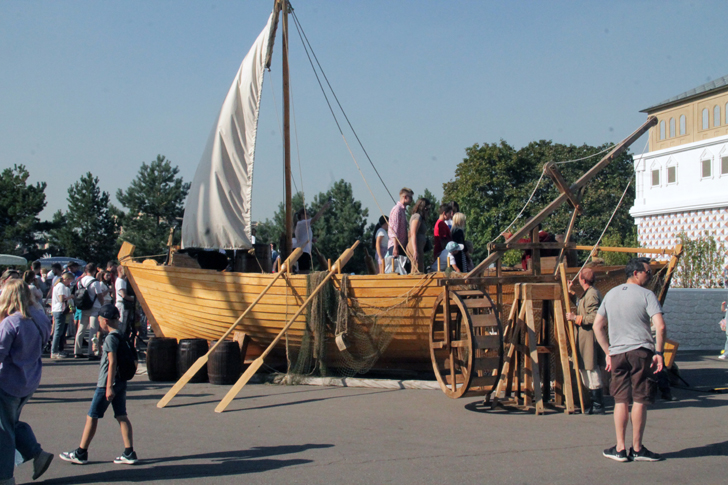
x: 442, y: 236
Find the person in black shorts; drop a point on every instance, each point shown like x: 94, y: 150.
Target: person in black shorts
x: 110, y: 389
x: 633, y: 356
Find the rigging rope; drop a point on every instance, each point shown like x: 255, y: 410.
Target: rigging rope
x: 587, y: 157
x: 543, y: 172
x: 306, y: 42
x: 610, y: 219
x: 306, y: 48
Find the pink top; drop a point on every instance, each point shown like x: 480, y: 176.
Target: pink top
x: 397, y: 226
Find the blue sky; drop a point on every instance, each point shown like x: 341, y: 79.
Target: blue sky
x: 103, y: 86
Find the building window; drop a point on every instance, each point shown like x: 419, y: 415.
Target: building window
x: 716, y: 116
x: 671, y: 175
x: 683, y: 125
x: 724, y: 166
x: 705, y: 170
x: 656, y: 178
x: 662, y: 130
x: 672, y: 127
x: 726, y: 113
x: 706, y: 125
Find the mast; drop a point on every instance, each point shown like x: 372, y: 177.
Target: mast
x: 286, y: 128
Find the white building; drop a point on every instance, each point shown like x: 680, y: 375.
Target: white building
x: 682, y: 182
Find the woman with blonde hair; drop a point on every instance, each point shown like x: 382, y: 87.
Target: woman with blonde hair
x: 418, y: 234
x: 24, y: 331
x: 458, y: 235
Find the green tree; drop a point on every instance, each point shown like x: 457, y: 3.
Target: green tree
x: 154, y: 201
x: 343, y: 223
x: 20, y: 204
x: 494, y: 182
x: 89, y: 229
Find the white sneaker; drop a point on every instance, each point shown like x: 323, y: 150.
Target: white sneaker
x: 125, y: 459
x: 723, y: 357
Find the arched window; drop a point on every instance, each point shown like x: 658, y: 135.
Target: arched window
x: 662, y: 130
x: 672, y: 127
x: 705, y: 119
x: 716, y: 116
x: 683, y: 125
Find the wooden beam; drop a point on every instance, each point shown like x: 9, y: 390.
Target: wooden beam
x: 584, y: 179
x: 612, y: 249
x: 494, y: 280
x: 573, y: 199
x: 556, y: 203
x: 530, y: 245
x: 567, y: 239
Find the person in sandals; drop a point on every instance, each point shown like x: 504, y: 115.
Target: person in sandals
x: 110, y: 389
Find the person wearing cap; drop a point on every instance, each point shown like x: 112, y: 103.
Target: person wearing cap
x: 448, y: 255
x: 110, y: 389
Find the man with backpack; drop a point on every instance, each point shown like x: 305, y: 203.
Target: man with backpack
x: 89, y: 297
x: 117, y: 366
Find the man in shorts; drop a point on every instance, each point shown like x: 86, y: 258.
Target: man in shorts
x: 110, y: 389
x: 633, y: 356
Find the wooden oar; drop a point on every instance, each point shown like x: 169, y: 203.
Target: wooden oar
x: 572, y: 340
x: 253, y: 368
x: 203, y: 360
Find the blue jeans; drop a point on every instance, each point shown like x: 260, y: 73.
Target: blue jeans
x: 59, y: 331
x: 14, y: 435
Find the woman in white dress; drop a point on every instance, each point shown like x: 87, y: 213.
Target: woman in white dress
x: 304, y: 236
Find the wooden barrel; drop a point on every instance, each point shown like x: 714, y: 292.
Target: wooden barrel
x: 259, y: 261
x: 188, y: 351
x: 225, y: 364
x: 162, y: 359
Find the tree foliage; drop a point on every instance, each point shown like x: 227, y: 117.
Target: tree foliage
x: 154, y: 200
x: 89, y: 229
x: 701, y: 263
x: 20, y: 204
x: 495, y: 180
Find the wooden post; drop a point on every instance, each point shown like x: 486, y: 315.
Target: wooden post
x: 243, y: 339
x: 563, y: 343
x: 286, y: 126
x: 535, y: 253
x: 574, y: 354
x: 532, y: 362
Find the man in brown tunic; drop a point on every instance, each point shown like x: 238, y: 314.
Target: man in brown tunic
x: 589, y: 352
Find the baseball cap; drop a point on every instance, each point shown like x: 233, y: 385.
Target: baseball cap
x: 109, y: 312
x: 453, y: 246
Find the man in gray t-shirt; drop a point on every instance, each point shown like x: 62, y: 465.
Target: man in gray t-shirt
x: 633, y: 356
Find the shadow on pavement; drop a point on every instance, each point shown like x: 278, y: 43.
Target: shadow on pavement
x: 219, y: 464
x: 715, y: 449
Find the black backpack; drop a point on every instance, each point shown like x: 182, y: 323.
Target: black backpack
x: 82, y: 298
x: 126, y: 358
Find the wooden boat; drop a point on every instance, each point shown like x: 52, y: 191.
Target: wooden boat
x: 393, y: 312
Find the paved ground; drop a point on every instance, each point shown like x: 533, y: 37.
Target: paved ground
x: 299, y: 434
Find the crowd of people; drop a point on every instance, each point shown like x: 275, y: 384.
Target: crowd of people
x: 85, y: 305
x: 400, y: 245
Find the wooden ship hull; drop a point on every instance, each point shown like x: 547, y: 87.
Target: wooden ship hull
x: 187, y: 303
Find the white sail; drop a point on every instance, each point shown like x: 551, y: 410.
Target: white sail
x: 217, y: 213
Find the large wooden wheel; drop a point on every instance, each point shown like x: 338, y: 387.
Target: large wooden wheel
x: 466, y: 342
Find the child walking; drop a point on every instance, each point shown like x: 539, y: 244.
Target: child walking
x: 110, y: 389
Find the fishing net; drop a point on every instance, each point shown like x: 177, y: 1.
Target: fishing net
x: 345, y: 336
